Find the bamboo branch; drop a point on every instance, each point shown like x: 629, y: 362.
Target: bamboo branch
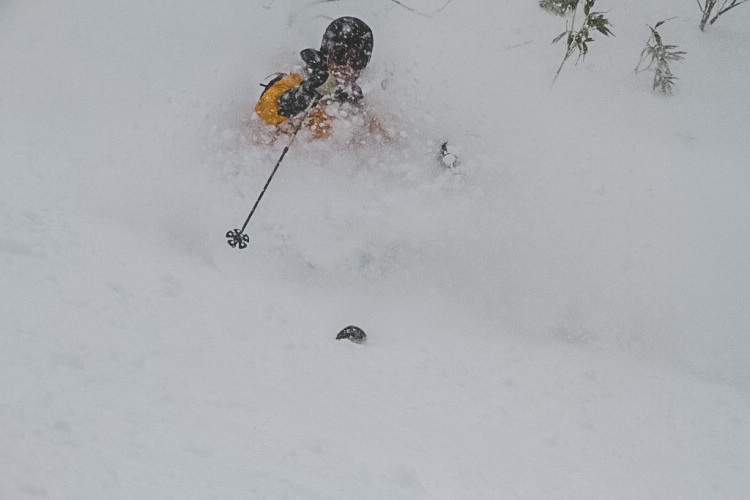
x: 726, y: 9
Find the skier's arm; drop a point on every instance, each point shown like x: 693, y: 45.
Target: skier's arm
x: 296, y: 100
x: 320, y: 83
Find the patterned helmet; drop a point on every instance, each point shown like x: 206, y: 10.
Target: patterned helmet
x: 347, y: 41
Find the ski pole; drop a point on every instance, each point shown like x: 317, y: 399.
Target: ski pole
x: 236, y: 238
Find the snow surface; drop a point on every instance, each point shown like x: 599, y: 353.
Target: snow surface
x: 565, y: 317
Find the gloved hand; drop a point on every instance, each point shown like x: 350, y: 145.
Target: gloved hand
x: 315, y: 81
x: 319, y: 84
x: 320, y: 80
x: 313, y: 60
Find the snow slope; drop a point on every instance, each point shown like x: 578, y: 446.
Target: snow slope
x: 564, y: 317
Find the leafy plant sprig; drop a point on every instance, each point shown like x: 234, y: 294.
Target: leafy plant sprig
x: 707, y: 7
x: 559, y: 7
x: 659, y: 56
x: 578, y: 40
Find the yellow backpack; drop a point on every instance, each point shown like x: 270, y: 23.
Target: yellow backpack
x: 267, y: 107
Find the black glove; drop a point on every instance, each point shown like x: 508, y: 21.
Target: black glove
x: 318, y: 84
x: 313, y: 60
x: 296, y: 100
x: 319, y: 79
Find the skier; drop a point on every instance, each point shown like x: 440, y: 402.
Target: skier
x: 329, y: 89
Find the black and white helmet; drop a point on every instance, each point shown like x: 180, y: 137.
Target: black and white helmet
x: 347, y: 41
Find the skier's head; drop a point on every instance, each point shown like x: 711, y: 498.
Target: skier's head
x: 347, y: 42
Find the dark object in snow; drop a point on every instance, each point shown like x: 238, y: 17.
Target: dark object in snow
x: 347, y: 41
x: 237, y: 239
x: 447, y: 156
x: 353, y: 333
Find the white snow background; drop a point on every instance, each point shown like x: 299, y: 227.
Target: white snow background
x: 566, y: 316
